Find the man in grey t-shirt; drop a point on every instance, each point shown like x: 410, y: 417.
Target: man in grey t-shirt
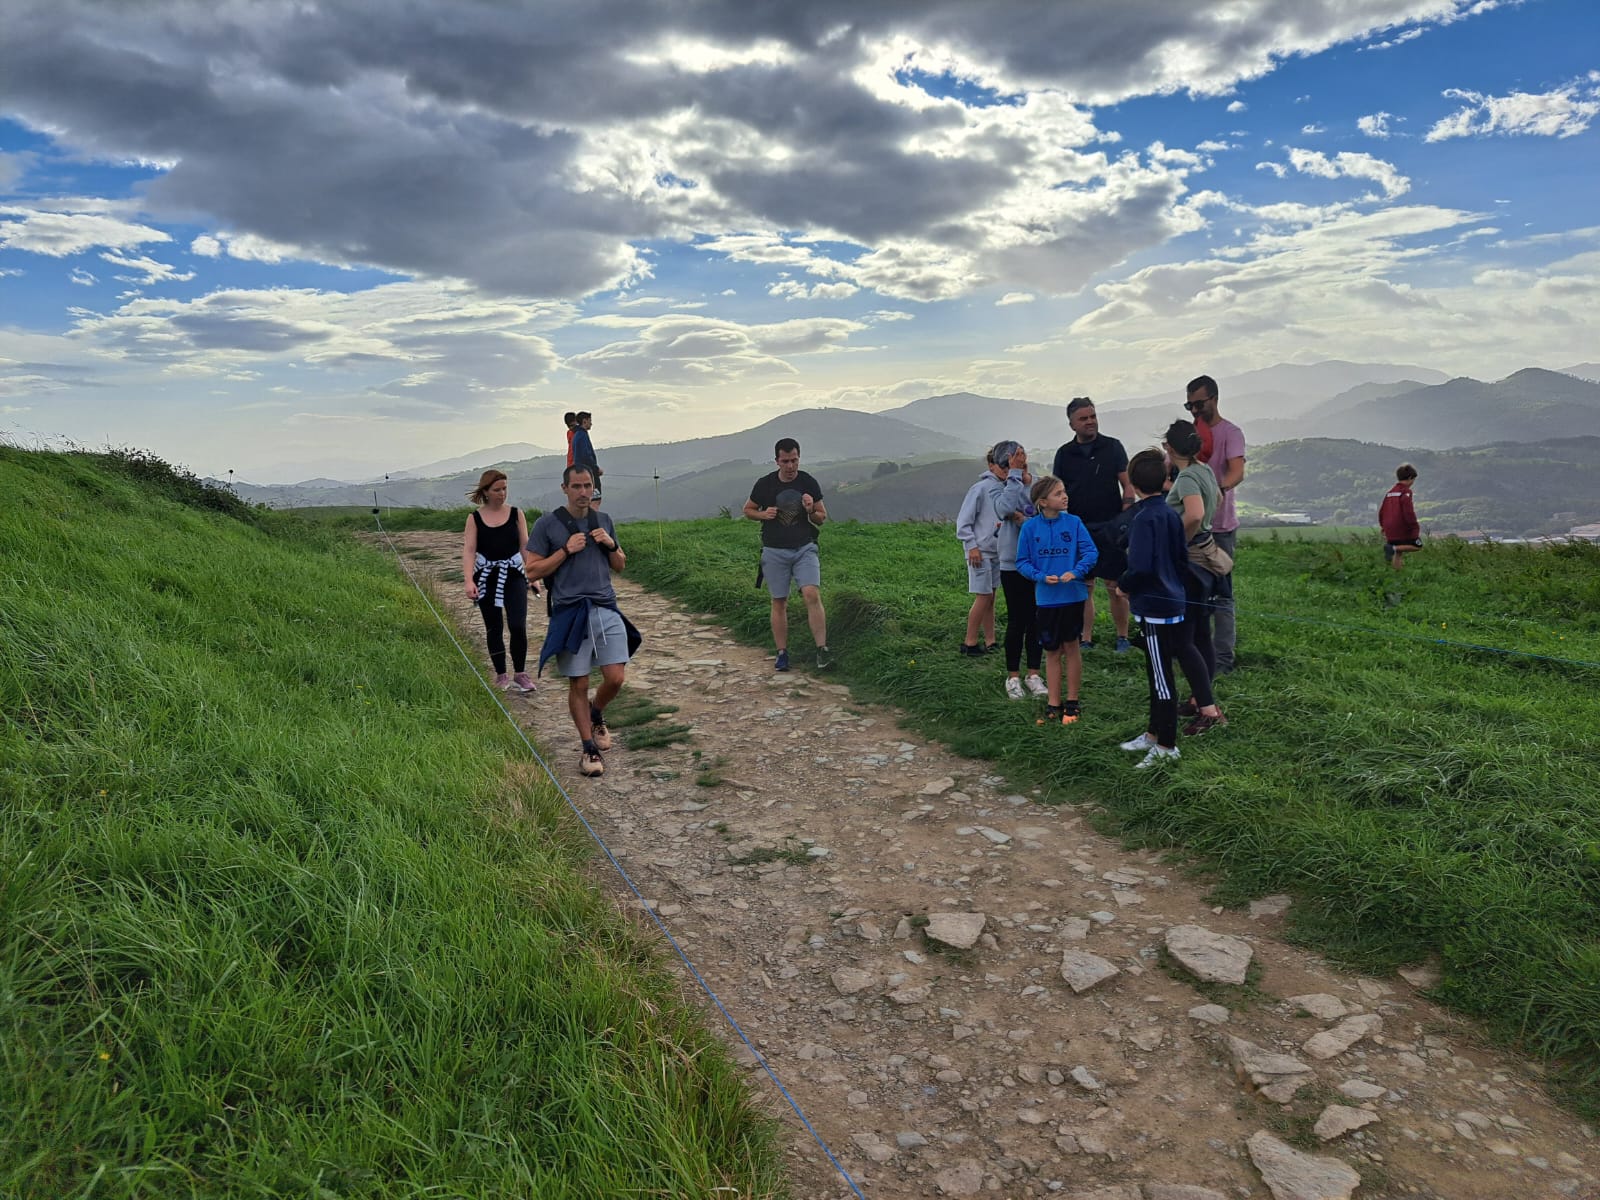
x: 575, y: 548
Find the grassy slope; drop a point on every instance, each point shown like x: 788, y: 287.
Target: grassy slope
x: 1415, y: 797
x: 283, y: 910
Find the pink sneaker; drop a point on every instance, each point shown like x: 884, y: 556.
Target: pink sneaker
x: 502, y: 681
x: 524, y: 683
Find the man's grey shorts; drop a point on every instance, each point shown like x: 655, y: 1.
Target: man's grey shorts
x: 984, y: 579
x: 606, y: 644
x: 781, y: 568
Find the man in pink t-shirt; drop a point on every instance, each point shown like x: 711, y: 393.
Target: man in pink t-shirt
x: 1225, y: 456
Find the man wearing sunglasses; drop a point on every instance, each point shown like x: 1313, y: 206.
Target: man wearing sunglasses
x: 1223, y: 451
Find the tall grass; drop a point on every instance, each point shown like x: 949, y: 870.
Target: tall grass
x: 282, y: 911
x: 1417, y: 797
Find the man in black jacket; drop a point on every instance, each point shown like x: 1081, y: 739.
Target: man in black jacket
x: 1094, y: 468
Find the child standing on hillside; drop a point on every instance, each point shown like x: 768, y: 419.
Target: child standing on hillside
x: 1154, y: 584
x: 1398, y: 518
x: 1054, y: 550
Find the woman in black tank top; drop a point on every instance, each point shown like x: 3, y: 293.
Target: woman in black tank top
x: 491, y: 565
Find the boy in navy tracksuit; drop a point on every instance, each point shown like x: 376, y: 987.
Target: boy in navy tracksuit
x: 1054, y: 550
x: 1153, y: 582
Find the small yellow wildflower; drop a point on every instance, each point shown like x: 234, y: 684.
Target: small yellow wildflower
x: 104, y: 1056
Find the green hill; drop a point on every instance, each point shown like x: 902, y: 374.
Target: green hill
x: 1513, y: 488
x: 284, y: 910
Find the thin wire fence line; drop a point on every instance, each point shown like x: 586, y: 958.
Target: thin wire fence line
x: 617, y: 866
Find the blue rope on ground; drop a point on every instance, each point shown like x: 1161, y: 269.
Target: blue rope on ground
x: 606, y: 850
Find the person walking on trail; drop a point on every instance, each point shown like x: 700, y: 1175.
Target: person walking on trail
x: 583, y: 451
x: 1397, y: 516
x: 1153, y: 582
x: 788, y: 503
x: 1094, y: 469
x: 1057, y: 553
x: 1021, y: 638
x: 1222, y: 449
x: 575, y: 548
x: 978, y: 525
x: 492, y: 568
x: 1195, y: 497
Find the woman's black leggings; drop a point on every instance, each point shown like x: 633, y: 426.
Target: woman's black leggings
x: 1020, y: 635
x: 1195, y: 653
x: 516, y: 617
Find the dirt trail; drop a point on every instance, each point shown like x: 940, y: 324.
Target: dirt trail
x: 799, y: 885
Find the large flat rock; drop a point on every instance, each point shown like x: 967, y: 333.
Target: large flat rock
x: 1209, y: 957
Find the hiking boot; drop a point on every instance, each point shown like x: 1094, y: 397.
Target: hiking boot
x: 824, y: 658
x: 1189, y: 708
x: 599, y: 734
x: 781, y: 663
x: 590, y: 764
x: 1123, y: 645
x: 524, y: 683
x: 1201, y: 723
x: 1014, y: 689
x: 502, y: 681
x: 1159, y: 756
x: 1036, y: 686
x: 1070, y: 712
x: 1143, y: 742
x: 1052, y: 715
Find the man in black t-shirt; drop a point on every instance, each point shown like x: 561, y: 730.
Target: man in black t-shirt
x: 788, y: 503
x: 1094, y: 468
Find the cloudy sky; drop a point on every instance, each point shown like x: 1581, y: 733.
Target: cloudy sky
x: 292, y: 236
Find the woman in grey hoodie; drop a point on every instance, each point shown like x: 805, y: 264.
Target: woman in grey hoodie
x: 1011, y: 506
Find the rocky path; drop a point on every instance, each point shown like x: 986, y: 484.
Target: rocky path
x: 972, y: 993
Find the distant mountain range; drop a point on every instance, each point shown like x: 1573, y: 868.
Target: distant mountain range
x: 917, y: 460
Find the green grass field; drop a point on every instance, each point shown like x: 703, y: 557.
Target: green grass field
x: 284, y: 909
x: 1415, y: 797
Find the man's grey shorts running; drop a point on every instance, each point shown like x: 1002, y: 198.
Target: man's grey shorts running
x: 783, y: 568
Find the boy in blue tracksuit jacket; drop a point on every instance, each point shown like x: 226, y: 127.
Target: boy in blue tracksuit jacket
x: 1158, y: 557
x: 1054, y: 550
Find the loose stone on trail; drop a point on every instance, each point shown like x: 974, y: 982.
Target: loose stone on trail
x: 1082, y: 970
x: 1209, y: 957
x: 958, y: 930
x: 1291, y: 1175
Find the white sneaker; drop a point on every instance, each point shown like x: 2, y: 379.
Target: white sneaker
x: 1036, y: 686
x: 1143, y: 742
x: 1159, y: 756
x: 1014, y: 689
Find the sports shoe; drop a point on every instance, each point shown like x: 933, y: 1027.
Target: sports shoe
x: 1071, y: 710
x: 971, y: 651
x: 524, y: 683
x: 782, y: 661
x: 1143, y: 742
x: 1052, y: 715
x: 1189, y: 708
x: 502, y: 681
x: 991, y: 647
x: 1159, y: 756
x: 600, y: 735
x: 1014, y: 689
x: 1123, y: 645
x: 824, y: 658
x: 590, y: 763
x: 1086, y: 644
x: 1036, y: 686
x: 1201, y: 723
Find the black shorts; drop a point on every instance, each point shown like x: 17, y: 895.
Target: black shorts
x: 1059, y: 625
x: 1388, y: 547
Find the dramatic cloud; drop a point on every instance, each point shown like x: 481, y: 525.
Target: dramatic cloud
x: 60, y: 234
x: 536, y: 151
x: 1350, y: 165
x: 700, y: 350
x: 1563, y: 113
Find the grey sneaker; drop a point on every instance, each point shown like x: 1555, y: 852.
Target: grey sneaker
x: 1014, y: 689
x: 1036, y: 686
x: 1159, y: 756
x: 824, y: 658
x: 1143, y: 742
